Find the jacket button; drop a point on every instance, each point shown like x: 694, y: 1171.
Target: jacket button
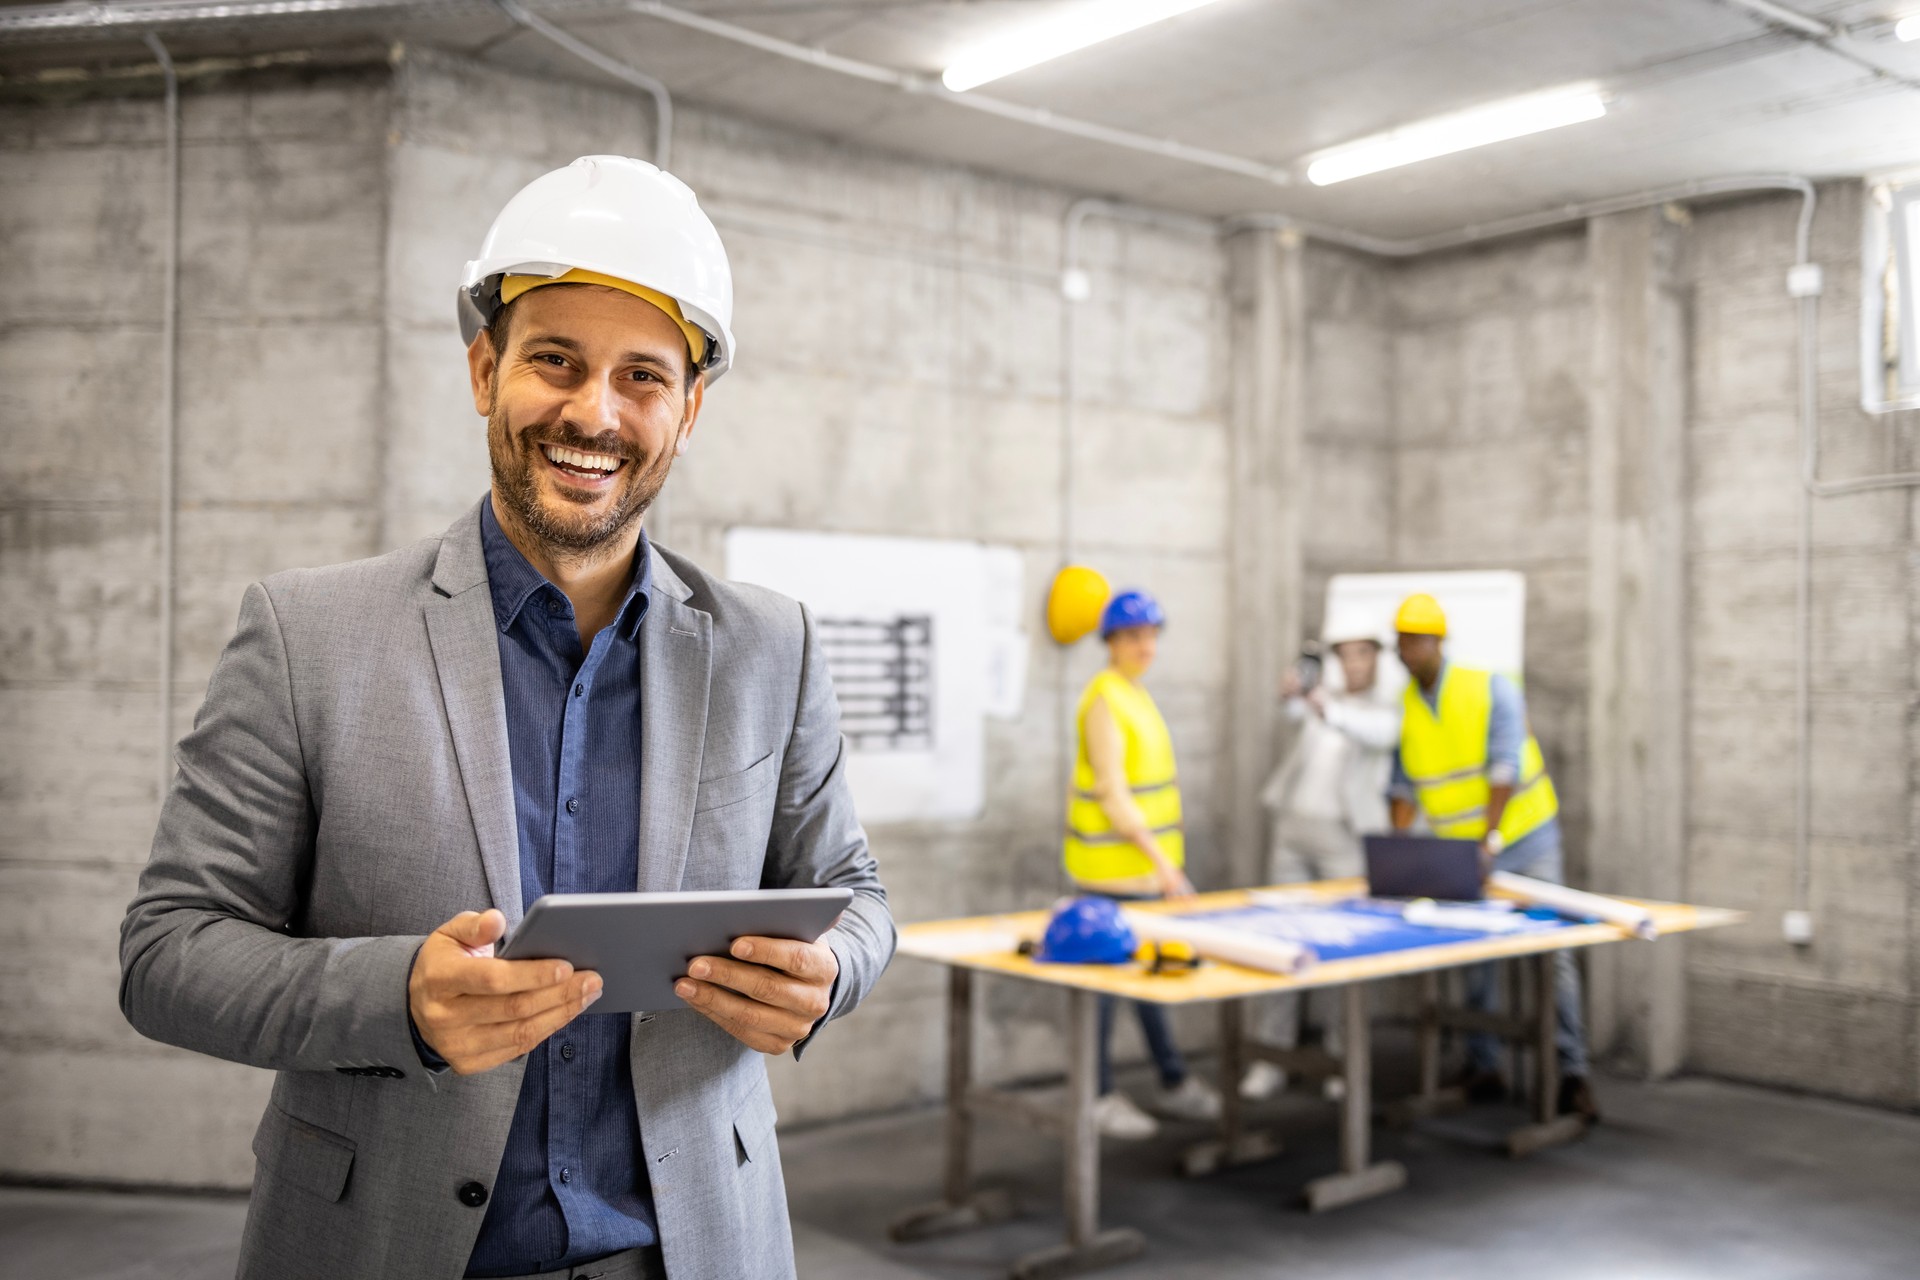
x: 472, y: 1194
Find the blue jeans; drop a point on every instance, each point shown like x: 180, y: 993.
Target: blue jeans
x: 1153, y: 1025
x: 1536, y: 855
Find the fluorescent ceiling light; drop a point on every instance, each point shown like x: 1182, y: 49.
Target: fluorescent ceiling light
x: 1444, y: 135
x: 1908, y: 28
x: 1084, y: 24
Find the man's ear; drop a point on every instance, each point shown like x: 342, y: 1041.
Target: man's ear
x: 696, y: 395
x: 481, y: 363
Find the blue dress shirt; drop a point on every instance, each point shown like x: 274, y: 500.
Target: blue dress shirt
x: 572, y: 1185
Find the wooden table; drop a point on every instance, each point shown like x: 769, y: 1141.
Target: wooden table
x: 985, y: 944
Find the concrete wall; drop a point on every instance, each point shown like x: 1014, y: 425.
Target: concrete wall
x: 899, y: 328
x: 1841, y: 1016
x: 279, y: 446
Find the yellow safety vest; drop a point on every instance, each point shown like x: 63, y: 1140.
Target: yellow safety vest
x: 1446, y: 757
x: 1093, y: 851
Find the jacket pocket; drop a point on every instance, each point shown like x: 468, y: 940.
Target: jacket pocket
x: 302, y: 1154
x: 753, y: 1126
x: 732, y: 788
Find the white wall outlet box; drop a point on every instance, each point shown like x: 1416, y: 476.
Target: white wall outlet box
x: 1797, y: 927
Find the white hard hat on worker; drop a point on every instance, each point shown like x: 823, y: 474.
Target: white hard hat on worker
x: 612, y: 221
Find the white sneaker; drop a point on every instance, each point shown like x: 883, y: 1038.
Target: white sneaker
x: 1192, y: 1099
x: 1263, y: 1080
x: 1116, y: 1115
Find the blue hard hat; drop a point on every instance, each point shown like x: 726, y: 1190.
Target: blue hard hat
x: 1131, y: 609
x: 1088, y: 930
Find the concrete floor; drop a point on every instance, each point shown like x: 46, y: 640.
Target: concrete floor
x: 1687, y: 1180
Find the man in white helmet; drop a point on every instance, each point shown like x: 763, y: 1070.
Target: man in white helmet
x: 396, y: 756
x: 1329, y: 791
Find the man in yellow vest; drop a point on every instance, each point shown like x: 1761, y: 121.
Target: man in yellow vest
x: 1124, y: 840
x: 1470, y: 764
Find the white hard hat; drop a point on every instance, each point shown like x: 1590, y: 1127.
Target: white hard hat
x: 1352, y: 624
x: 617, y: 217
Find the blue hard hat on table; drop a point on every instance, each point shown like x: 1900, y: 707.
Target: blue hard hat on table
x: 1131, y: 609
x: 1088, y: 930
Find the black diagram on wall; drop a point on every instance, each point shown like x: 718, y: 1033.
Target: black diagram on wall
x: 883, y: 674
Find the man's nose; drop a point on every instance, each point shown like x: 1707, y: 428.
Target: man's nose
x: 594, y: 406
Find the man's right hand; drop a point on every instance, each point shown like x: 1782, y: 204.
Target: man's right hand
x: 477, y: 1011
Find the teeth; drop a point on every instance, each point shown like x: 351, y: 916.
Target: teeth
x: 585, y: 461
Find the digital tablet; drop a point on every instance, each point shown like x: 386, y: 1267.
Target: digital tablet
x: 640, y: 943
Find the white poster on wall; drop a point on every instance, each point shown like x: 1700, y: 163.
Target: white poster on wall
x: 1486, y: 616
x: 922, y: 638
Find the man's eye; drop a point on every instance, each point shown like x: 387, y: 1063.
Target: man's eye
x: 643, y: 375
x: 553, y: 361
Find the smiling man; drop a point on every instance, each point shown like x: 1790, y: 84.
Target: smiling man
x: 396, y: 756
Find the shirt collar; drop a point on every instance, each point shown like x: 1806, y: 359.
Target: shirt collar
x: 514, y: 581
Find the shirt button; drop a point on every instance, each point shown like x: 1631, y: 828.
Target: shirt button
x: 566, y: 1175
x: 579, y: 689
x: 566, y: 1051
x: 573, y: 806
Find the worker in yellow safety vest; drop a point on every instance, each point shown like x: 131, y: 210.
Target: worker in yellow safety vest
x: 1124, y: 841
x: 1469, y: 764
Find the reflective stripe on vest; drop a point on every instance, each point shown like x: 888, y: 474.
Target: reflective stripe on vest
x: 1092, y: 850
x: 1445, y: 755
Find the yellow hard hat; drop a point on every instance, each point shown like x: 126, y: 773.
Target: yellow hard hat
x: 1420, y: 615
x: 1074, y: 602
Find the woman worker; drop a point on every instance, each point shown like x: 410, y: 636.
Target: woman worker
x: 1124, y: 841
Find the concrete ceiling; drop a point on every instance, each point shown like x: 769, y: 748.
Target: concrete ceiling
x: 1699, y: 88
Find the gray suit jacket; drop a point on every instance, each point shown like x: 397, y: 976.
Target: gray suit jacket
x: 346, y: 788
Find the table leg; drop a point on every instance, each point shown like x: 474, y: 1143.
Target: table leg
x: 1234, y: 1146
x: 1359, y: 1178
x: 1087, y: 1247
x: 1432, y: 1099
x: 1549, y: 1129
x: 962, y: 1208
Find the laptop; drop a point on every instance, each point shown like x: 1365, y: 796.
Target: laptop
x: 1424, y: 867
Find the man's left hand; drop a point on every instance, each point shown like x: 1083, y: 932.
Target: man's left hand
x: 768, y: 995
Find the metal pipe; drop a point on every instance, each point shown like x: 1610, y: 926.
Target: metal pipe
x: 927, y: 86
x: 1477, y: 232
x: 169, y: 407
x: 662, y: 100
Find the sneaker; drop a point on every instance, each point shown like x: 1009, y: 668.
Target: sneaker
x: 1191, y: 1099
x: 1116, y: 1115
x: 1263, y: 1080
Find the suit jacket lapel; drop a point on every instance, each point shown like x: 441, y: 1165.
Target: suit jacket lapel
x: 466, y: 657
x: 676, y: 666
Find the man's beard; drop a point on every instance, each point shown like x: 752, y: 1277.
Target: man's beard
x: 575, y: 534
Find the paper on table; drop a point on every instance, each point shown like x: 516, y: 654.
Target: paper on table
x: 1577, y: 902
x: 1215, y: 942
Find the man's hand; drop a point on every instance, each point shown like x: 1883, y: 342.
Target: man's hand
x: 478, y: 1012
x: 1290, y: 686
x: 769, y: 995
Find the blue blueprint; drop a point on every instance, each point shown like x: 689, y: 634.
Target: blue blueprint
x: 1343, y: 930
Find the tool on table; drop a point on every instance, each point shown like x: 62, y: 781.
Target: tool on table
x: 1167, y: 957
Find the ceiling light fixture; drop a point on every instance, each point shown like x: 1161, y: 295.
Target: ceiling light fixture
x: 1085, y: 24
x: 1907, y: 28
x: 1444, y: 135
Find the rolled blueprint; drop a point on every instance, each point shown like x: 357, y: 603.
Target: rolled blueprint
x: 1217, y: 942
x: 1577, y: 902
